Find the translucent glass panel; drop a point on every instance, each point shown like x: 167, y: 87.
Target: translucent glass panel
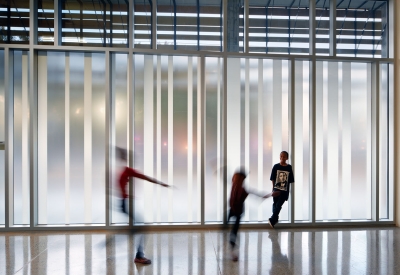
x: 21, y: 165
x: 142, y: 24
x: 302, y: 160
x: 14, y: 23
x: 187, y: 25
x: 122, y: 130
x: 279, y: 27
x: 386, y: 149
x: 343, y: 141
x: 46, y: 22
x: 362, y: 28
x: 95, y: 23
x: 166, y: 138
x: 71, y: 138
x: 213, y: 159
x: 257, y: 126
x: 322, y: 27
x: 2, y: 136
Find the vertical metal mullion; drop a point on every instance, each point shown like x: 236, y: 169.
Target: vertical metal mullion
x: 224, y: 110
x: 292, y: 87
x: 312, y: 26
x: 8, y: 137
x: 32, y: 97
x: 153, y: 4
x: 33, y: 132
x: 104, y: 24
x: 81, y: 24
x: 111, y: 24
x: 246, y: 26
x: 225, y: 26
x: 266, y: 29
x: 131, y: 25
x: 109, y: 136
x: 312, y: 111
x: 375, y: 140
x: 33, y: 18
x: 57, y: 23
x: 174, y: 24
x: 8, y: 21
x: 198, y: 24
x: 332, y: 28
x: 203, y: 135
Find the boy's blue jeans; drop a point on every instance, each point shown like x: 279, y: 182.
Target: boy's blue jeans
x: 276, y: 208
x: 140, y: 238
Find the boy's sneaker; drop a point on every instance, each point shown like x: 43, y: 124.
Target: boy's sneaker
x: 270, y: 223
x: 142, y: 260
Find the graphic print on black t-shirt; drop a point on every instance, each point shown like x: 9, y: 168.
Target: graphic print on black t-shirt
x: 281, y: 181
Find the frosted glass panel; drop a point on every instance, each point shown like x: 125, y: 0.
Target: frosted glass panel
x: 257, y: 126
x: 213, y: 181
x: 21, y: 139
x: 385, y: 142
x: 165, y: 138
x: 2, y: 136
x: 71, y: 134
x: 121, y: 123
x: 302, y: 159
x: 343, y: 141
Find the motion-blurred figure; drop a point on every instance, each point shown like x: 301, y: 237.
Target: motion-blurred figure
x: 236, y: 203
x: 123, y: 180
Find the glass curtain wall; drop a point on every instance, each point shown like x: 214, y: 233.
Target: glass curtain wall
x: 183, y: 116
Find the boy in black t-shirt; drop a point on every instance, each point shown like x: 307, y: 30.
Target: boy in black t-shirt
x: 281, y: 177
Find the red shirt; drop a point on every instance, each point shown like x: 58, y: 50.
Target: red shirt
x: 124, y: 178
x: 238, y: 196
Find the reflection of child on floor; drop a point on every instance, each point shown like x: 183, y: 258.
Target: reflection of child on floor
x: 127, y: 173
x: 236, y: 203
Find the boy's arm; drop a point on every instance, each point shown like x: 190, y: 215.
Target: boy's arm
x: 144, y: 177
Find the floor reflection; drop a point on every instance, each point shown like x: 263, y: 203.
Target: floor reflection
x: 368, y: 251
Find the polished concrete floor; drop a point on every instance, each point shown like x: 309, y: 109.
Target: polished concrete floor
x: 281, y: 251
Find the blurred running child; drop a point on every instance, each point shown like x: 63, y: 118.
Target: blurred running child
x: 127, y: 173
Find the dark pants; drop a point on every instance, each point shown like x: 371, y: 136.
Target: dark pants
x: 140, y: 238
x: 276, y: 208
x: 235, y: 227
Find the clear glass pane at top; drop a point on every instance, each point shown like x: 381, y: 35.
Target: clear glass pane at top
x: 343, y: 141
x: 257, y: 127
x: 142, y: 24
x: 46, y: 22
x: 322, y: 31
x: 279, y: 26
x: 95, y: 23
x: 362, y: 28
x: 14, y: 23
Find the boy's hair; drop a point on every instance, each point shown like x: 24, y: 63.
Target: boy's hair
x: 287, y: 154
